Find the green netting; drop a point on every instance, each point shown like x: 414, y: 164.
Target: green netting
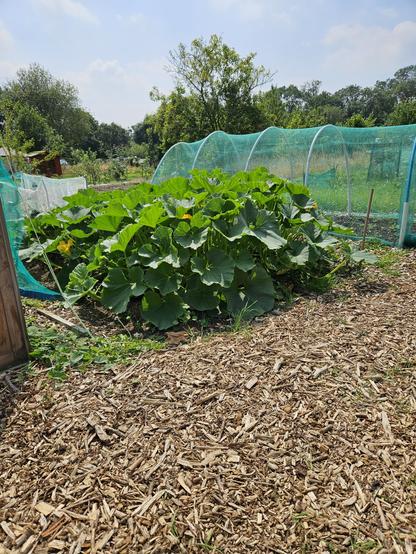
x: 13, y: 212
x: 340, y: 165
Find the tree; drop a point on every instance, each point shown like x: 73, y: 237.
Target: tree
x: 404, y: 84
x: 53, y: 99
x: 272, y: 108
x: 13, y: 141
x: 111, y: 137
x: 350, y: 99
x: 178, y: 118
x: 221, y: 81
x: 403, y: 114
x: 357, y: 120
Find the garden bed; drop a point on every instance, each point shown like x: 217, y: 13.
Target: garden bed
x: 379, y: 228
x: 295, y: 434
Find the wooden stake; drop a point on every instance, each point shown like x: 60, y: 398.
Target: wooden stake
x: 58, y: 319
x: 367, y: 217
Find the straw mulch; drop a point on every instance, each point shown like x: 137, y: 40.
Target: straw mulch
x: 297, y: 435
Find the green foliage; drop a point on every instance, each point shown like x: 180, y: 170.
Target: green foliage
x: 111, y: 137
x: 51, y: 104
x: 214, y: 242
x: 88, y: 165
x: 13, y: 140
x: 404, y: 113
x: 357, y: 120
x: 216, y: 89
x: 221, y: 80
x: 61, y: 351
x: 117, y: 170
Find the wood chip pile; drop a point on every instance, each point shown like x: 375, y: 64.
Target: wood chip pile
x: 295, y: 436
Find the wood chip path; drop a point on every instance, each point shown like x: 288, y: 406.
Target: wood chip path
x: 296, y: 436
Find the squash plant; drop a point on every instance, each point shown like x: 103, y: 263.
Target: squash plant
x: 211, y: 243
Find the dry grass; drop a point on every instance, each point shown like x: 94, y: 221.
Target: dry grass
x: 295, y: 436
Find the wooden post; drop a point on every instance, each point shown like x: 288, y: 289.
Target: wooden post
x: 14, y: 344
x: 367, y: 217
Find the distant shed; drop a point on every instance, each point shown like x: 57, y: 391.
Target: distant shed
x: 44, y: 164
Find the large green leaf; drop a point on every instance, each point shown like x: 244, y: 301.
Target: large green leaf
x: 164, y: 278
x: 298, y: 253
x: 289, y: 211
x: 136, y: 196
x: 37, y: 249
x: 243, y: 260
x: 74, y: 214
x: 219, y: 207
x: 152, y: 255
x: 200, y: 296
x: 326, y: 241
x: 363, y: 256
x: 162, y: 250
x: 251, y: 294
x: 162, y: 311
x: 175, y: 207
x: 120, y: 241
x: 80, y: 284
x: 251, y: 221
x: 106, y: 223
x: 151, y: 215
x: 215, y: 268
x: 190, y: 236
x: 120, y: 285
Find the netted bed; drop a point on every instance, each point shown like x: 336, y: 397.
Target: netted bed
x: 340, y: 165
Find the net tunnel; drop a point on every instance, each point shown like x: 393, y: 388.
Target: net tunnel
x: 340, y: 165
x: 14, y: 215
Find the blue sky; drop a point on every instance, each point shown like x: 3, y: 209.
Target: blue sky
x: 114, y: 51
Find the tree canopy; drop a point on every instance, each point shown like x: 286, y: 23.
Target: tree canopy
x: 214, y: 88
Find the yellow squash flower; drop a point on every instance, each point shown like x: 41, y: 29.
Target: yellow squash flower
x: 64, y: 247
x: 186, y: 216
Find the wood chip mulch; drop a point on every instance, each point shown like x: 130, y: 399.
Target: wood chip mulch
x: 295, y: 436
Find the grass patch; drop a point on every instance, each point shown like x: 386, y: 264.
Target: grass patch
x: 60, y: 351
x: 388, y: 258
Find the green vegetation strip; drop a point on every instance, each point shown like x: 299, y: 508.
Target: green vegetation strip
x: 213, y: 243
x: 60, y: 351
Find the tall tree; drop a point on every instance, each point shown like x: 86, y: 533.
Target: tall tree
x: 54, y: 99
x: 221, y: 80
x: 111, y: 137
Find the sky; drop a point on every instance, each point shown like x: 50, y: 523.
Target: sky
x: 115, y: 51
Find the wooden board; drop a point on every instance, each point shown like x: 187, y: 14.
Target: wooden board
x: 14, y: 345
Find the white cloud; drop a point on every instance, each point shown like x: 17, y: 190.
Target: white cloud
x: 72, y: 8
x: 362, y: 53
x: 7, y: 66
x: 116, y: 91
x: 255, y: 10
x: 6, y: 39
x: 132, y: 19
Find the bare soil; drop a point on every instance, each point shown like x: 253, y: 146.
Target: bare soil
x: 294, y: 435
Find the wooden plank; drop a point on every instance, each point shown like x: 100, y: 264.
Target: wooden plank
x: 58, y: 319
x: 14, y: 344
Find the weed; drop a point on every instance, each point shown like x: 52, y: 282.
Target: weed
x: 60, y: 351
x: 207, y: 543
x: 388, y: 259
x: 241, y: 318
x: 363, y: 546
x: 173, y: 528
x: 32, y: 302
x: 299, y: 516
